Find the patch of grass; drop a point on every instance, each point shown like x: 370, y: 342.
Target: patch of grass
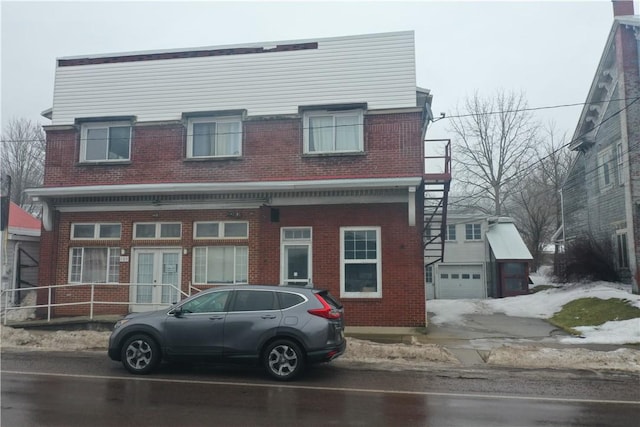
x: 593, y: 312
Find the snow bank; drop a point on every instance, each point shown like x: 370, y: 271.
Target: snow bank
x: 621, y: 332
x: 407, y: 354
x: 53, y: 340
x: 623, y: 359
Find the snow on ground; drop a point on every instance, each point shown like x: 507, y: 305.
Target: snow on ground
x: 543, y: 305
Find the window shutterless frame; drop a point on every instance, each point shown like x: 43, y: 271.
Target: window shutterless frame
x: 360, y: 262
x: 157, y: 230
x: 203, y: 230
x: 105, y: 142
x: 327, y: 132
x: 95, y: 231
x: 214, y: 137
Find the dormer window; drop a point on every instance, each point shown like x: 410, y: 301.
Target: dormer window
x: 105, y: 142
x: 211, y: 137
x: 333, y: 132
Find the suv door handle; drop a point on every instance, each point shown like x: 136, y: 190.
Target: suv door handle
x: 269, y: 316
x: 216, y: 317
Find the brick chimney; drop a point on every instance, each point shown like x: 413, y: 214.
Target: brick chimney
x: 622, y: 7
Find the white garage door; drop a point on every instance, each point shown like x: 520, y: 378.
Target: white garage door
x: 460, y: 281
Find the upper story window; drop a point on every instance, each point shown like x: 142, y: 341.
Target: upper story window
x: 473, y: 232
x: 333, y: 132
x: 605, y: 172
x: 105, y: 142
x: 210, y: 137
x: 620, y: 158
x: 95, y: 231
x: 451, y: 232
x: 221, y: 230
x: 157, y: 230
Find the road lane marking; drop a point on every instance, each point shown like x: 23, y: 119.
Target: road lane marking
x: 332, y: 389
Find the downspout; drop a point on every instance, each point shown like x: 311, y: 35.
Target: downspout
x: 14, y: 281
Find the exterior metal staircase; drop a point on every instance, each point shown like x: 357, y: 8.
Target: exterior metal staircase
x: 436, y: 184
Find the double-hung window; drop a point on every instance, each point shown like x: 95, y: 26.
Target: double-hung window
x: 473, y: 232
x: 211, y: 137
x: 361, y: 262
x: 451, y: 233
x: 605, y: 171
x: 94, y: 265
x: 105, y: 142
x: 333, y: 132
x: 221, y: 265
x: 622, y: 249
x: 620, y: 159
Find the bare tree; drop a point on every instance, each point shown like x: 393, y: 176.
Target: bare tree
x: 496, y: 139
x: 537, y: 205
x: 22, y: 158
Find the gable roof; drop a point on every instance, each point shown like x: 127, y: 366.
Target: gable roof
x: 602, y: 85
x: 22, y: 222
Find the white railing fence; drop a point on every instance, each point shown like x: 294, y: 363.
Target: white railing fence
x: 91, y: 301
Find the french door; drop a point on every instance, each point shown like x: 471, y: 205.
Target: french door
x: 155, y: 278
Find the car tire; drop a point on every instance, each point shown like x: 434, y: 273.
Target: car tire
x: 140, y: 354
x: 283, y: 360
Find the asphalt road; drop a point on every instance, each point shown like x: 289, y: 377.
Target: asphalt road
x: 85, y: 388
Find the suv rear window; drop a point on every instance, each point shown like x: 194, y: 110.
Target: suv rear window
x: 330, y: 299
x: 288, y: 300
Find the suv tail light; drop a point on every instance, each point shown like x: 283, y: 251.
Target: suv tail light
x: 326, y: 311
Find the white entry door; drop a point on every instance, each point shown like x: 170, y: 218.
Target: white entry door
x: 296, y: 256
x: 155, y: 278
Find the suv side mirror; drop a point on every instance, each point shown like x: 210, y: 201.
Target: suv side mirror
x: 177, y: 312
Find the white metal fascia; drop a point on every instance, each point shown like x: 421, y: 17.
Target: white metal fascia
x: 43, y: 193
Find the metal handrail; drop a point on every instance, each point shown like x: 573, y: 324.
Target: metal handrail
x: 49, y: 305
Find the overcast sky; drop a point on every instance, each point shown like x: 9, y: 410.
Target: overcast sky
x: 548, y: 49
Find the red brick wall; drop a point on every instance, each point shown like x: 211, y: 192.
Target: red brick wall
x: 272, y: 150
x: 403, y: 301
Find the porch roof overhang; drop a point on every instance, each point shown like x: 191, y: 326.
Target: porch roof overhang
x: 221, y: 195
x: 506, y: 243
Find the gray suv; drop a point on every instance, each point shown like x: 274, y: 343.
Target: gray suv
x: 283, y: 328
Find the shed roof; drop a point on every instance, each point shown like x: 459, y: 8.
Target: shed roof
x: 506, y: 243
x: 22, y: 222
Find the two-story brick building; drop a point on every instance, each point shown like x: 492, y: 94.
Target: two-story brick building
x: 271, y: 163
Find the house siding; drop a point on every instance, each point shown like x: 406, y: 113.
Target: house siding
x: 590, y: 209
x: 380, y: 71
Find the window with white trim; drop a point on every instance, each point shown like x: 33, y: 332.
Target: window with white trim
x: 451, y: 233
x: 221, y: 265
x: 333, y: 132
x: 361, y: 262
x: 94, y: 265
x: 94, y: 231
x: 620, y: 159
x: 473, y: 232
x: 622, y: 250
x: 605, y: 172
x: 157, y: 230
x: 105, y: 142
x: 211, y: 137
x: 220, y: 230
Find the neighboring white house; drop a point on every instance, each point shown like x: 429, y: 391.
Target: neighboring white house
x: 483, y: 257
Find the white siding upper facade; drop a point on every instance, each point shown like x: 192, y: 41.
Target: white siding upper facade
x: 377, y: 69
